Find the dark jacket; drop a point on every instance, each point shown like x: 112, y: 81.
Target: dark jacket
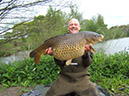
x: 78, y: 70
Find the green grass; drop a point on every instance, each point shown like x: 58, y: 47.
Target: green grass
x: 110, y: 72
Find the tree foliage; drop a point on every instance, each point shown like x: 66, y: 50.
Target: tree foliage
x: 100, y: 21
x: 38, y: 30
x: 21, y: 11
x: 94, y: 24
x: 89, y: 25
x: 74, y: 13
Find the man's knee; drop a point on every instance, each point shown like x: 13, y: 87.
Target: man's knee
x: 89, y: 92
x: 51, y: 92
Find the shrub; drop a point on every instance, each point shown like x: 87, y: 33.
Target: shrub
x: 25, y: 73
x: 111, y: 71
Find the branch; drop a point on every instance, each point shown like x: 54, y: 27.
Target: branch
x: 11, y: 5
x: 5, y: 10
x: 14, y: 26
x: 25, y: 5
x: 5, y: 41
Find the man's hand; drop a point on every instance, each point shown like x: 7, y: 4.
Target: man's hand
x: 87, y: 48
x: 49, y: 51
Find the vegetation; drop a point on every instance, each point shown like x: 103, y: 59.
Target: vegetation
x: 110, y: 72
x: 26, y: 10
x: 27, y: 73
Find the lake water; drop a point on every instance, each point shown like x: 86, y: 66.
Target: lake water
x: 15, y: 57
x: 113, y: 46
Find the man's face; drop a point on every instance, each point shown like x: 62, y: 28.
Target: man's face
x: 74, y: 26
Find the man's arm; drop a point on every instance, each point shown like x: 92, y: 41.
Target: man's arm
x: 88, y: 56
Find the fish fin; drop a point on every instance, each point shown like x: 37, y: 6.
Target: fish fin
x: 32, y: 54
x: 36, y: 53
x: 41, y: 49
x: 37, y: 58
x: 92, y: 48
x: 68, y: 62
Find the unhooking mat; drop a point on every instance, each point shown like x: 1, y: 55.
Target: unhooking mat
x: 41, y: 90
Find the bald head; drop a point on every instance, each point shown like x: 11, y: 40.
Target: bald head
x: 75, y: 20
x: 74, y: 26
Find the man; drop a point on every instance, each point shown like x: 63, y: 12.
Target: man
x: 75, y: 77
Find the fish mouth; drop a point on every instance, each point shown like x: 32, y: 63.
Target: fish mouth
x: 101, y: 38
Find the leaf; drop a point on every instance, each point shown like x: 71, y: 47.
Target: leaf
x: 23, y: 72
x: 30, y: 78
x: 19, y: 79
x: 9, y: 83
x: 6, y: 85
x: 25, y: 84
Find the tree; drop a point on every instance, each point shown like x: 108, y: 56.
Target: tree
x: 89, y: 25
x: 13, y: 12
x: 74, y: 13
x: 17, y: 12
x: 95, y: 24
x: 51, y: 25
x: 100, y: 21
x: 34, y: 33
x: 22, y: 11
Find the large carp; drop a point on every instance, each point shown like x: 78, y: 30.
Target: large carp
x: 68, y: 46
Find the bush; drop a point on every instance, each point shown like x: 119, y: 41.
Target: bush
x: 110, y: 66
x: 110, y: 72
x: 25, y: 73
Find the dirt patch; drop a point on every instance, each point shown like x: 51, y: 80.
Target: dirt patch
x: 12, y: 91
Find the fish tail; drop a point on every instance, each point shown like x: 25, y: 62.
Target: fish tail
x: 37, y: 52
x: 37, y: 58
x: 41, y: 49
x: 32, y: 54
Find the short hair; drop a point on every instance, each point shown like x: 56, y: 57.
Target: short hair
x: 75, y: 20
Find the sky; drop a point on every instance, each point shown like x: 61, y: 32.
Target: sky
x: 115, y: 12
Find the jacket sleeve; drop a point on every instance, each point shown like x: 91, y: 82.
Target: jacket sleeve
x: 87, y: 58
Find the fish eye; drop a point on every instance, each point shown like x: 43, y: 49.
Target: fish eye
x: 95, y: 35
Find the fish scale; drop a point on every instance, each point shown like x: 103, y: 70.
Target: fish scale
x: 72, y: 49
x: 67, y: 47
